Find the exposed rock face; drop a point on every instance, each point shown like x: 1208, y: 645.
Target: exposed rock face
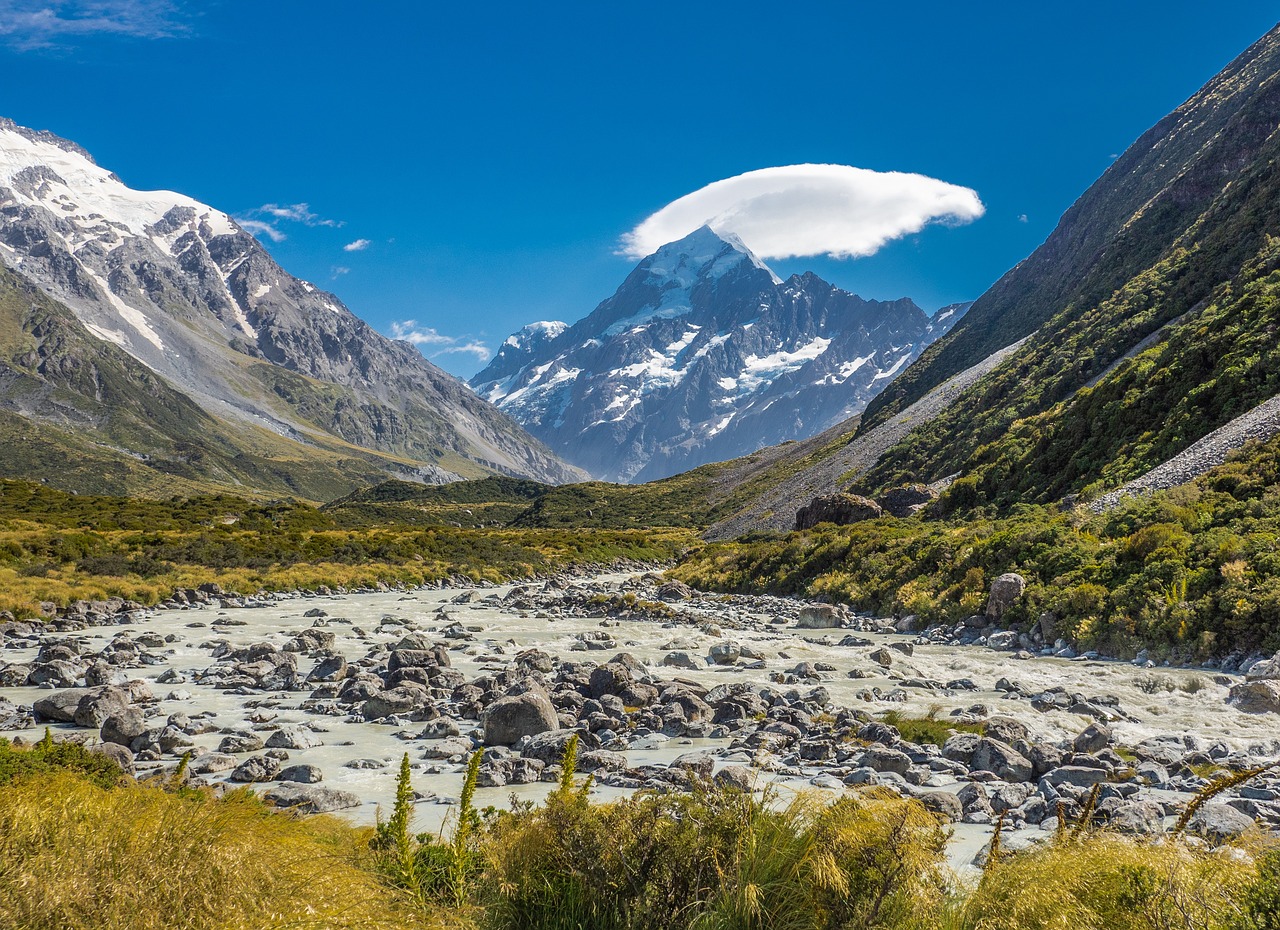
x: 166, y: 288
x: 907, y: 500
x: 703, y: 355
x: 837, y: 508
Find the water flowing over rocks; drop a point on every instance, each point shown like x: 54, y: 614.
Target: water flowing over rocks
x: 314, y: 698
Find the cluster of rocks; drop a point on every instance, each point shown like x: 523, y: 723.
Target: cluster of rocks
x: 526, y: 704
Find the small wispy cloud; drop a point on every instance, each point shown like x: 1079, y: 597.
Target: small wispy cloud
x: 410, y: 331
x: 338, y: 271
x: 259, y: 228
x: 796, y: 211
x: 358, y: 246
x: 46, y: 24
x: 266, y: 219
x: 1022, y: 218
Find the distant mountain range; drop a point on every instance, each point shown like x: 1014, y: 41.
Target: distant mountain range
x: 151, y: 344
x: 703, y: 354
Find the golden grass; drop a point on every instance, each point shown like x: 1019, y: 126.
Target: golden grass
x: 74, y: 856
x: 1104, y: 881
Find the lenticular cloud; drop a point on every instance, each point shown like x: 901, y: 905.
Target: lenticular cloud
x: 801, y: 210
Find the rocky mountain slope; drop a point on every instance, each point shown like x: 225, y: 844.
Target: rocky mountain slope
x: 702, y: 355
x: 253, y: 362
x: 1149, y: 319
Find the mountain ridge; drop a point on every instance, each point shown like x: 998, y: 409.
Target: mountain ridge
x: 185, y: 292
x: 703, y: 354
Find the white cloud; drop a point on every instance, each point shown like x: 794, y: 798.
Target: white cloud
x: 358, y: 246
x: 801, y: 210
x: 338, y: 270
x: 266, y: 219
x: 1022, y: 218
x: 259, y: 228
x: 36, y: 24
x: 410, y: 331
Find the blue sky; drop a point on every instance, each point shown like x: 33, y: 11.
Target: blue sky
x: 489, y: 158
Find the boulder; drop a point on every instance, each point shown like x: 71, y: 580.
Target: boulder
x: 302, y: 774
x: 1002, y: 760
x: 59, y: 707
x: 310, y: 799
x: 120, y: 755
x: 256, y: 769
x: 1265, y: 670
x: 293, y: 738
x: 508, y: 719
x: 683, y: 660
x: 699, y: 763
x: 725, y: 653
x: 610, y: 678
x: 884, y: 759
x: 240, y: 742
x: 398, y: 700
x: 549, y: 746
x: 1005, y: 591
x: 1219, y: 822
x: 837, y: 508
x: 1141, y: 817
x: 1078, y: 776
x: 943, y: 804
x: 1252, y: 697
x: 124, y: 727
x: 907, y: 500
x: 672, y: 591
x: 15, y: 716
x: 1094, y: 738
x: 818, y: 617
x: 737, y: 777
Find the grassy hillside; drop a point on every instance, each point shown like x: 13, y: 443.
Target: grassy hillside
x: 1189, y: 573
x: 59, y: 547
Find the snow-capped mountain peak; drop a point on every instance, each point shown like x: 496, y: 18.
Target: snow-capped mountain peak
x: 186, y: 292
x: 703, y: 353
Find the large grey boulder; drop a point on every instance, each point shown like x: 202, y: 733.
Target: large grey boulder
x: 124, y: 727
x: 508, y: 719
x: 15, y: 716
x: 1219, y: 822
x: 1002, y: 760
x: 310, y: 799
x: 100, y: 704
x: 818, y: 617
x: 293, y: 738
x: 837, y: 508
x: 1141, y: 817
x: 59, y: 707
x: 398, y: 700
x: 1256, y: 697
x: 1093, y: 738
x: 256, y: 769
x: 1005, y: 591
x: 1266, y: 669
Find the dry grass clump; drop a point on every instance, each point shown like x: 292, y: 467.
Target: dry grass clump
x: 73, y: 856
x: 1104, y: 881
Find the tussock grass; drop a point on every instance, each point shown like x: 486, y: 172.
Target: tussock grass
x: 1103, y: 881
x: 74, y: 855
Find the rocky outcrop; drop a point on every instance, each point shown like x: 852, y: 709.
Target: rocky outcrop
x: 837, y: 508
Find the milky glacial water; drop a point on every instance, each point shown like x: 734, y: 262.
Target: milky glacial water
x: 362, y: 621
